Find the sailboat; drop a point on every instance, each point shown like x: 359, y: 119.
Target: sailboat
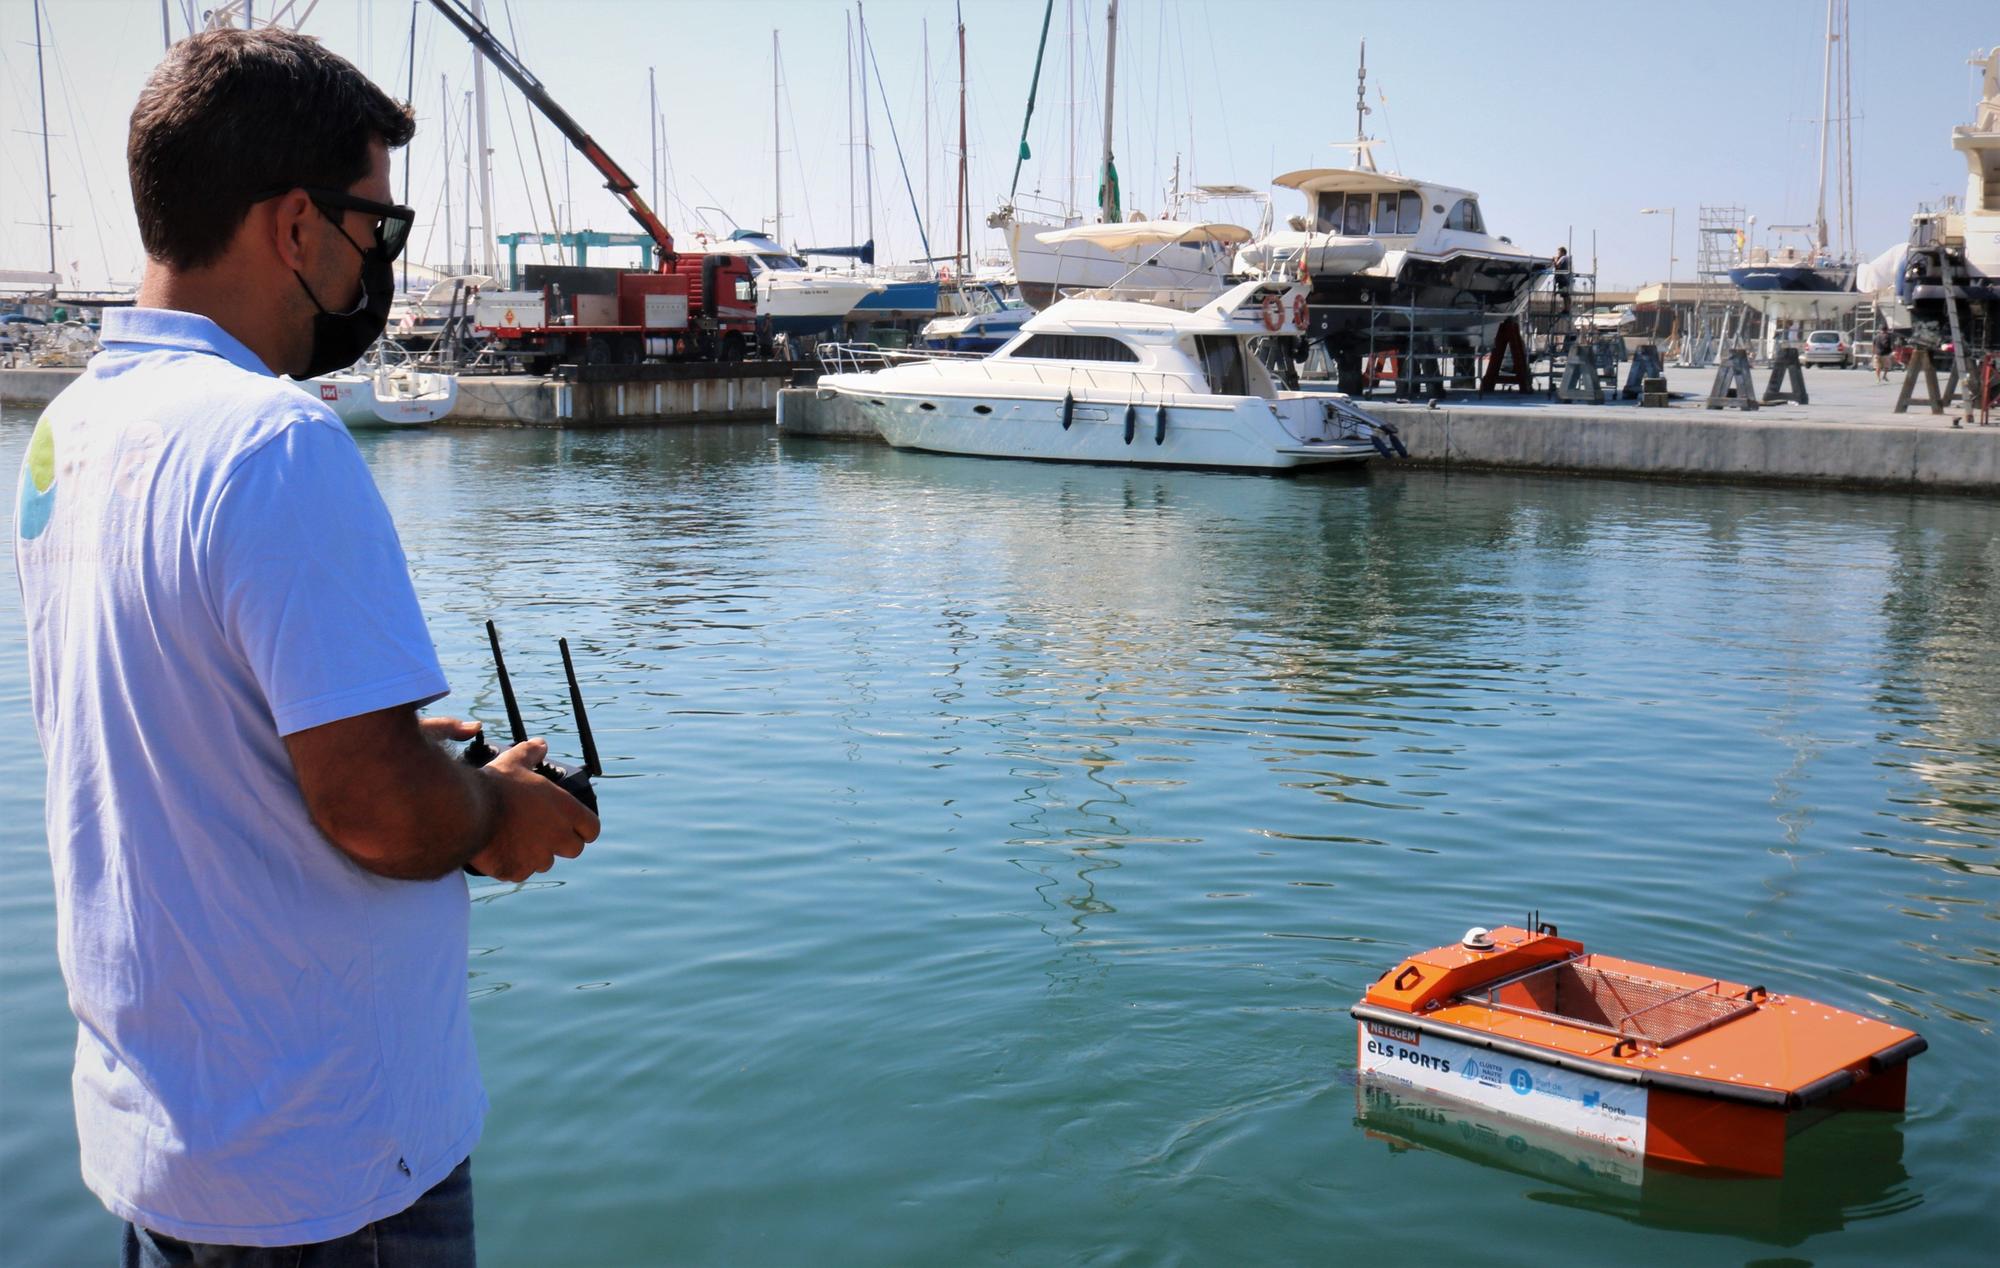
x: 1166, y: 260
x: 1806, y: 277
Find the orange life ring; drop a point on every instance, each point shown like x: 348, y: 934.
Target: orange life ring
x: 1274, y: 312
x: 1300, y: 315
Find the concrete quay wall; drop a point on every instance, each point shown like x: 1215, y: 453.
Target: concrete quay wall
x: 532, y: 401
x: 34, y: 385
x: 529, y: 401
x: 1701, y: 444
x: 802, y: 412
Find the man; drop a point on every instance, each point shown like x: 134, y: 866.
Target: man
x: 1885, y: 347
x: 257, y: 843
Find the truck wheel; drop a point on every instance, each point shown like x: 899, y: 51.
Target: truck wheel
x: 596, y: 351
x: 732, y: 346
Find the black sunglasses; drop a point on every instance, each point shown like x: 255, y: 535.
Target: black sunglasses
x: 392, y: 226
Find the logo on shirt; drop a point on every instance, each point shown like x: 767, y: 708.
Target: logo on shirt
x: 38, y: 482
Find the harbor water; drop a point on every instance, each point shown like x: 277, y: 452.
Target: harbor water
x: 993, y: 849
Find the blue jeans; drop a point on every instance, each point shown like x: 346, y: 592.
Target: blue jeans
x: 436, y: 1232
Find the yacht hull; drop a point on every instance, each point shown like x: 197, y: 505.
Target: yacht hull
x: 1246, y: 434
x: 388, y: 399
x: 1043, y: 271
x: 1461, y: 292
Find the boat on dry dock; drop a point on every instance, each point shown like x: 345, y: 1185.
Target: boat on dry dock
x: 1654, y: 1064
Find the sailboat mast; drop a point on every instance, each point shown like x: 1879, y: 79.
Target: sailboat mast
x: 653, y: 137
x: 927, y: 130
x: 468, y: 181
x: 777, y: 165
x: 867, y: 142
x: 48, y: 181
x: 409, y: 95
x: 444, y: 132
x: 965, y: 209
x: 850, y: 131
x: 1825, y: 109
x: 483, y: 158
x: 1069, y: 109
x: 1107, y: 193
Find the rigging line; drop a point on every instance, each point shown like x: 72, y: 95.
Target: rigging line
x: 535, y: 138
x: 868, y: 46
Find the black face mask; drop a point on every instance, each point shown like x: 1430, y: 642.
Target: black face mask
x: 340, y: 339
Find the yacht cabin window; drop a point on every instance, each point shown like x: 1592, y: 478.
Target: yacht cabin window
x: 1222, y: 364
x: 1074, y: 348
x: 1385, y: 213
x: 1465, y: 216
x: 1356, y: 223
x: 1345, y: 214
x: 1413, y: 210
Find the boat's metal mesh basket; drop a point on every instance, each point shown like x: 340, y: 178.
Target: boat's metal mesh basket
x: 1580, y: 994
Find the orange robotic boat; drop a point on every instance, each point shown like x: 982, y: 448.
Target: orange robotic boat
x: 1658, y: 1065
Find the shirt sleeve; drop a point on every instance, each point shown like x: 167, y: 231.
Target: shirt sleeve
x: 308, y: 578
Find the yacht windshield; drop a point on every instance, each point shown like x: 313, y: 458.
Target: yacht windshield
x: 780, y: 262
x: 1465, y: 217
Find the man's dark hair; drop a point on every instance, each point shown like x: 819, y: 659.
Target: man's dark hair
x: 230, y: 116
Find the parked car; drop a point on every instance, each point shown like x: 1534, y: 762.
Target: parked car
x: 1826, y: 347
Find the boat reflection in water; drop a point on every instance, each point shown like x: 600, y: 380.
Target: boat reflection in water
x: 1852, y: 1171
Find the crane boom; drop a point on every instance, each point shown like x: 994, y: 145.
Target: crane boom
x: 615, y: 179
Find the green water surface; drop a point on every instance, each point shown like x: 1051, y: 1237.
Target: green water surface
x: 993, y: 849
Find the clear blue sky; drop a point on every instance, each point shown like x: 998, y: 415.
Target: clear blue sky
x: 1567, y: 118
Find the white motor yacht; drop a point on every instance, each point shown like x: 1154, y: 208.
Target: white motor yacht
x: 796, y: 300
x: 1107, y: 380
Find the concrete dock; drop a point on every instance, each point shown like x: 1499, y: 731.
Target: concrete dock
x: 1848, y: 435
x: 597, y: 396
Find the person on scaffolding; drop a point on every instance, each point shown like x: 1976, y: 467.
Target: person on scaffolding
x: 1560, y: 266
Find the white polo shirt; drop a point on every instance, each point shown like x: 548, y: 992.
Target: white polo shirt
x: 274, y: 1046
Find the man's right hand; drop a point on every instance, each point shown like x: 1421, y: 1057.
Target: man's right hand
x: 539, y: 822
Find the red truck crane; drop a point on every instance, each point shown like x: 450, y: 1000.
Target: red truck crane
x: 700, y: 306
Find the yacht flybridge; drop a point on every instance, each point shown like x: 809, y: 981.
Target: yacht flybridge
x: 1108, y: 380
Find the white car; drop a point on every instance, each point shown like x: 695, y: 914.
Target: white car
x: 1826, y: 347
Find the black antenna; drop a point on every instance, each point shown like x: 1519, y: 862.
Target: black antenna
x: 514, y: 722
x: 582, y: 719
